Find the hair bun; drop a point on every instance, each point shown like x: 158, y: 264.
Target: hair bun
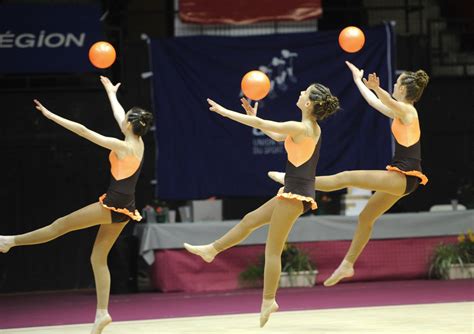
x: 421, y: 78
x: 141, y: 120
x: 146, y: 118
x: 333, y: 104
x: 326, y: 104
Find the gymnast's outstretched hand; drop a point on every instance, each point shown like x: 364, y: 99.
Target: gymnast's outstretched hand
x: 109, y: 86
x: 251, y: 111
x: 373, y: 82
x: 357, y: 74
x: 216, y: 107
x: 46, y: 113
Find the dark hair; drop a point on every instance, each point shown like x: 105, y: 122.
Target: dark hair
x: 141, y: 120
x: 415, y: 83
x: 325, y: 104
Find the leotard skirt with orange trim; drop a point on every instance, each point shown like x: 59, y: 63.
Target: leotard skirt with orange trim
x: 409, y: 167
x: 301, y: 190
x: 121, y: 205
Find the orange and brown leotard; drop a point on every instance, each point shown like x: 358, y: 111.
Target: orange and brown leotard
x: 120, y: 197
x: 300, y: 171
x: 407, y: 157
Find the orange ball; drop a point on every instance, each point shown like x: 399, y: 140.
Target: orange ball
x: 102, y: 54
x: 351, y: 39
x: 255, y: 85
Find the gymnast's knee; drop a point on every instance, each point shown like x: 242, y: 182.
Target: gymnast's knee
x: 98, y: 258
x: 343, y: 178
x: 60, y: 226
x: 250, y: 221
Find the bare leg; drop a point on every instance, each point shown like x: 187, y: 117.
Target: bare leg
x: 378, y: 204
x: 239, y: 232
x: 93, y: 214
x: 377, y: 180
x: 284, y: 216
x: 104, y: 241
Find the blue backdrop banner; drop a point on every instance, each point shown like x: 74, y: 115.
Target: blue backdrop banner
x: 47, y: 38
x: 202, y: 154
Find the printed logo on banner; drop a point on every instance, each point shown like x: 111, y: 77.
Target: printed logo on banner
x: 262, y: 145
x: 280, y: 72
x: 45, y: 38
x: 281, y: 75
x: 41, y: 40
x: 198, y: 75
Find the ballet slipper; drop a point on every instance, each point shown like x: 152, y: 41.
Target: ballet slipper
x: 268, y: 307
x: 6, y: 242
x: 101, y: 321
x: 206, y: 252
x: 277, y: 177
x: 345, y: 270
